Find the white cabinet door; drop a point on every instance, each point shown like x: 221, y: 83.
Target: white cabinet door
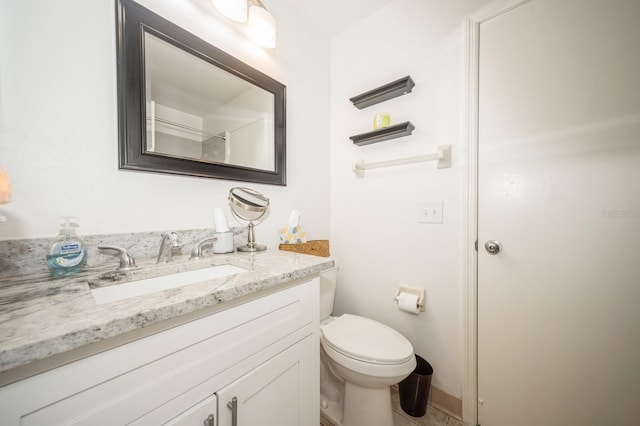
x: 203, y: 413
x: 275, y: 394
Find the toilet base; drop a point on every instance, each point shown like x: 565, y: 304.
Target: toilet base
x: 367, y: 406
x: 332, y: 411
x: 331, y: 393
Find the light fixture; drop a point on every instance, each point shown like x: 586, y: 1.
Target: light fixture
x: 262, y: 25
x: 236, y: 10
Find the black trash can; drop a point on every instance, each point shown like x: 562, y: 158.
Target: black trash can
x: 414, y: 390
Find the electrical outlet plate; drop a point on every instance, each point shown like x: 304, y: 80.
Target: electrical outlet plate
x: 430, y: 212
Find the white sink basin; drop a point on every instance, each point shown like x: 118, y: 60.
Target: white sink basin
x: 123, y: 291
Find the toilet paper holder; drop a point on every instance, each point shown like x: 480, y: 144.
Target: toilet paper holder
x: 420, y: 292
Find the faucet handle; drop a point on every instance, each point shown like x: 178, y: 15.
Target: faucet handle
x: 196, y: 252
x: 127, y: 261
x: 169, y: 241
x: 172, y: 236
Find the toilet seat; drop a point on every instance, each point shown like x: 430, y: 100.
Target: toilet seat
x: 366, y: 340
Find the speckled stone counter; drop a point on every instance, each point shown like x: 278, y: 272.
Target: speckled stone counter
x: 40, y: 318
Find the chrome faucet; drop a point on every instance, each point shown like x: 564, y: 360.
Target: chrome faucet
x: 196, y: 252
x: 127, y: 262
x: 169, y: 242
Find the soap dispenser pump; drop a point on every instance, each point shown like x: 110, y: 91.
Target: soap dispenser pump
x: 67, y: 255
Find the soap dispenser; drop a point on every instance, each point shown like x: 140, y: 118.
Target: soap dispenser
x: 67, y: 255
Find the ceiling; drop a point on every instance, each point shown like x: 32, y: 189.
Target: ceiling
x: 332, y: 16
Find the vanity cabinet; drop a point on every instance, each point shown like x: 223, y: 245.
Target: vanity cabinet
x: 264, y: 353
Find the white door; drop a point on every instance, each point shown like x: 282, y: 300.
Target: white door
x: 559, y: 188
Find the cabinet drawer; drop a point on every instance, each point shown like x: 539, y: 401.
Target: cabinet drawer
x: 123, y: 384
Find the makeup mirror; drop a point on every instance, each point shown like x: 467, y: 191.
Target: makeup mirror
x: 248, y: 206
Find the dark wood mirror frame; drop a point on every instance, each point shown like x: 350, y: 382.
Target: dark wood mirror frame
x: 132, y: 20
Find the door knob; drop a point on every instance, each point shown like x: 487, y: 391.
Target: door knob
x: 493, y: 246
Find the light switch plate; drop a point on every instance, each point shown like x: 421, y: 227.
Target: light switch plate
x: 430, y: 212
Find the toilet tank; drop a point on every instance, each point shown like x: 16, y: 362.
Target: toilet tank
x: 328, y: 282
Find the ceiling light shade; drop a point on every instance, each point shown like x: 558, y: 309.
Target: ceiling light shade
x: 236, y: 10
x: 262, y: 27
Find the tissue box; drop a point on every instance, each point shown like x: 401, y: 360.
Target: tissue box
x: 293, y: 235
x: 314, y: 247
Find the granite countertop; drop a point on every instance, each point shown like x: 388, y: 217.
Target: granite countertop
x: 41, y: 317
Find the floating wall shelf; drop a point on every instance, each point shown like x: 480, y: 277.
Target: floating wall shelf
x: 386, y: 133
x: 383, y: 93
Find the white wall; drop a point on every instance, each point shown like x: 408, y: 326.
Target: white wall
x: 374, y: 231
x: 58, y: 142
x: 58, y: 139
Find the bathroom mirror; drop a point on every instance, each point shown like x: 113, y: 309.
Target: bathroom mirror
x: 249, y: 206
x: 186, y: 107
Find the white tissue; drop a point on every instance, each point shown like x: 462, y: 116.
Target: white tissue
x: 408, y: 303
x: 294, y: 218
x: 220, y: 220
x: 223, y: 242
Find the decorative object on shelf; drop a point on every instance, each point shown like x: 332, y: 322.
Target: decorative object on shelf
x: 443, y: 158
x: 250, y: 206
x: 386, y: 133
x: 381, y: 120
x: 262, y: 25
x: 383, y: 93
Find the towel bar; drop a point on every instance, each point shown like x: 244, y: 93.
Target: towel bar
x: 443, y: 157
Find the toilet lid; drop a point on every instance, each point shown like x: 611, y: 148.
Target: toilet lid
x: 366, y: 340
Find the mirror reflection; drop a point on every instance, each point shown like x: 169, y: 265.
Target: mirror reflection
x: 197, y: 111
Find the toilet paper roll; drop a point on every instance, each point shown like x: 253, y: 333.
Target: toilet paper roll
x: 220, y: 220
x: 408, y: 303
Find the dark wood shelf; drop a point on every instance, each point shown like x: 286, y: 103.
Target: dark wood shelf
x: 384, y: 134
x: 383, y: 93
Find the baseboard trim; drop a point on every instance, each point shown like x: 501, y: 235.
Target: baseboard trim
x: 446, y: 402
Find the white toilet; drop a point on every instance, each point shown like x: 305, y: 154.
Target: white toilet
x: 361, y: 359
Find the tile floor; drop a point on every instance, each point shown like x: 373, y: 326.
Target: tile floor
x: 433, y: 416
